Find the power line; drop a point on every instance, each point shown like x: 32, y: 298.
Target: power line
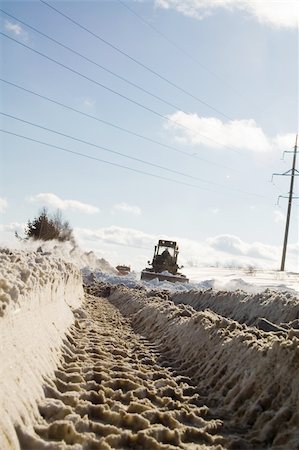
x: 113, y: 91
x: 96, y: 64
x: 90, y: 116
x: 157, y: 97
x: 175, y: 45
x: 104, y: 161
x: 127, y: 156
x: 115, y: 164
x: 135, y: 60
x: 108, y: 149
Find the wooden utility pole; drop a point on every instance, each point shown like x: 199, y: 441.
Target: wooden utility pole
x: 286, y: 234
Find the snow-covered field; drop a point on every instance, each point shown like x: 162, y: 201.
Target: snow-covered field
x: 249, y: 280
x: 213, y: 364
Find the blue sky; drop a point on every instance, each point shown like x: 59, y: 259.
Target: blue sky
x: 226, y: 78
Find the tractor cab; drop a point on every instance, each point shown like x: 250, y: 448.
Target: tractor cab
x: 165, y: 257
x: 164, y: 263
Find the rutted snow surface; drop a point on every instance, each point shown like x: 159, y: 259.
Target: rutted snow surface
x: 111, y: 391
x: 139, y: 369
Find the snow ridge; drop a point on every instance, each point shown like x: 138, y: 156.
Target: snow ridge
x: 246, y: 376
x: 37, y: 295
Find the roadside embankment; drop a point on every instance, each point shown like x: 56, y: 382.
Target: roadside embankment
x: 277, y: 307
x: 249, y: 377
x: 37, y: 296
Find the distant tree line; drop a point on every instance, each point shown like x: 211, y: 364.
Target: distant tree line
x: 47, y: 227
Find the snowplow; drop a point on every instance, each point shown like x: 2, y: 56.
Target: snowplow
x: 164, y: 264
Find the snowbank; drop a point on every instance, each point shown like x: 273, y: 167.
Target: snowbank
x: 67, y: 250
x: 37, y: 295
x: 278, y: 307
x: 249, y: 377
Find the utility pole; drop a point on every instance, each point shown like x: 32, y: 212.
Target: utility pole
x: 292, y: 172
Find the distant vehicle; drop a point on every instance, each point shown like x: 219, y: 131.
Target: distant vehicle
x: 123, y: 270
x: 164, y: 264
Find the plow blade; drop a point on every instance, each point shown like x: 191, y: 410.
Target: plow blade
x: 147, y: 276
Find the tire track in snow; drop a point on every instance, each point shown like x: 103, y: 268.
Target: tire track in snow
x: 111, y: 392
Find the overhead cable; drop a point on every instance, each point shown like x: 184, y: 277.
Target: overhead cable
x: 94, y: 158
x: 115, y: 92
x: 115, y: 164
x: 125, y: 156
x: 157, y: 97
x: 133, y: 133
x: 178, y: 47
x: 82, y: 141
x: 104, y: 41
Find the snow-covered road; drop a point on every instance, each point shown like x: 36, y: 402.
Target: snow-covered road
x: 133, y: 366
x: 113, y: 391
x: 143, y: 372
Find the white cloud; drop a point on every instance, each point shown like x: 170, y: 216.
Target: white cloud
x: 7, y: 233
x: 12, y: 227
x: 124, y: 207
x: 13, y: 27
x: 118, y: 245
x: 134, y: 247
x: 284, y: 141
x: 53, y: 201
x: 89, y: 103
x: 127, y: 237
x: 3, y: 205
x: 279, y: 216
x: 276, y: 13
x: 235, y: 246
x: 16, y: 29
x: 236, y: 134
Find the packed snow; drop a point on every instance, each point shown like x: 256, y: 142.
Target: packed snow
x: 38, y: 294
x: 212, y: 364
x: 249, y: 375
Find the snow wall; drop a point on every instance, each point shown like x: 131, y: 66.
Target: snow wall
x: 277, y: 307
x: 37, y: 296
x: 249, y: 376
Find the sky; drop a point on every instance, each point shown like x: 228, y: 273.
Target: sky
x: 143, y: 120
